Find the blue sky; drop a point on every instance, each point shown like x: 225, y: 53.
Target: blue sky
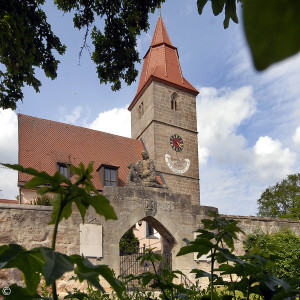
x: 248, y: 122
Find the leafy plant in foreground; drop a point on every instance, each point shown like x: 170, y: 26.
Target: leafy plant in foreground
x: 247, y: 273
x: 46, y: 262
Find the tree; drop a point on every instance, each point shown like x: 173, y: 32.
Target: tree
x: 27, y: 41
x: 129, y: 243
x: 281, y: 200
x: 285, y: 245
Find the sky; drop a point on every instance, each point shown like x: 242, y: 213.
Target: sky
x: 248, y: 121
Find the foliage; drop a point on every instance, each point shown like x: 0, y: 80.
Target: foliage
x: 129, y: 243
x: 281, y: 200
x: 27, y: 41
x: 217, y: 7
x: 250, y: 275
x: 247, y: 273
x: 46, y: 262
x: 42, y: 200
x: 272, y: 30
x: 285, y: 245
x: 271, y: 27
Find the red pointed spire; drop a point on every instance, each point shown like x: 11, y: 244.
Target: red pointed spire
x: 160, y: 35
x: 161, y: 63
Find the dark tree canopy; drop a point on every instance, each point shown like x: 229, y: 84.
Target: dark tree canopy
x: 27, y: 41
x: 129, y: 243
x: 281, y: 200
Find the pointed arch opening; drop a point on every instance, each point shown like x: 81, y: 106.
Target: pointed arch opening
x: 174, y: 101
x: 150, y: 234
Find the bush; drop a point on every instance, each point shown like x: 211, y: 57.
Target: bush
x: 285, y: 247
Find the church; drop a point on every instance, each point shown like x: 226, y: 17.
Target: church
x: 151, y: 179
x: 163, y: 123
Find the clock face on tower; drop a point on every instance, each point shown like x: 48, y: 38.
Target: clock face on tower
x: 177, y: 164
x: 176, y: 142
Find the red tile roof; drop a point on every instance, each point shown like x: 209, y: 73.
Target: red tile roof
x: 44, y: 143
x: 9, y: 201
x: 161, y: 63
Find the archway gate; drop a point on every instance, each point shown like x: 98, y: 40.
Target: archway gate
x: 172, y: 215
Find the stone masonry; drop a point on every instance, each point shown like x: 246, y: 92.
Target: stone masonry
x: 156, y: 126
x: 174, y: 217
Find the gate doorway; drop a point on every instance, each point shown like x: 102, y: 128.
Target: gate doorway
x: 128, y: 259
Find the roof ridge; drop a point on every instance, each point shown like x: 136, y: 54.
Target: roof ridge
x: 77, y: 126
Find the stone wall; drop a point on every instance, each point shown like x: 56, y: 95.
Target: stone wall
x: 172, y: 215
x: 28, y: 226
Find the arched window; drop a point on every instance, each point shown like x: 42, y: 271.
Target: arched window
x: 141, y: 110
x: 174, y: 104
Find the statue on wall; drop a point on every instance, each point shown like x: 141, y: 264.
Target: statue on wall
x: 143, y: 173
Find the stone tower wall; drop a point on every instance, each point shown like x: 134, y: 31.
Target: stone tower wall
x: 158, y: 124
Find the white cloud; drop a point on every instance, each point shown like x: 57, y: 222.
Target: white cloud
x: 203, y: 153
x: 219, y: 114
x: 8, y: 136
x: 296, y: 136
x: 234, y: 173
x: 271, y: 159
x: 73, y: 116
x: 230, y: 190
x: 8, y: 184
x: 116, y: 121
x: 8, y: 153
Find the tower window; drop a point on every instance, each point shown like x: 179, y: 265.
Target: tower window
x: 174, y: 98
x: 141, y: 110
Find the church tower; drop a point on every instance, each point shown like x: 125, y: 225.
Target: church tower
x: 163, y: 115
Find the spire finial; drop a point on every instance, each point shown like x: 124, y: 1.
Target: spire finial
x: 159, y: 11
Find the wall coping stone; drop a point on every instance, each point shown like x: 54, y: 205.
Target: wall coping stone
x: 265, y: 219
x: 25, y: 207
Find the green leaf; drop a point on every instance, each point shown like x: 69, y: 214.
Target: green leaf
x: 272, y: 282
x: 272, y: 30
x: 30, y: 263
x: 232, y: 11
x: 200, y: 273
x: 102, y: 206
x: 56, y: 204
x: 146, y: 277
x: 201, y: 4
x: 199, y: 245
x: 149, y: 255
x: 56, y: 265
x: 204, y: 234
x: 217, y: 6
x: 18, y: 293
x: 8, y: 253
x: 92, y: 278
x: 82, y: 207
x: 86, y: 270
x: 78, y: 295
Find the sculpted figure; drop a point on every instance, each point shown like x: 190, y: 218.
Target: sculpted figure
x: 133, y: 177
x: 143, y: 173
